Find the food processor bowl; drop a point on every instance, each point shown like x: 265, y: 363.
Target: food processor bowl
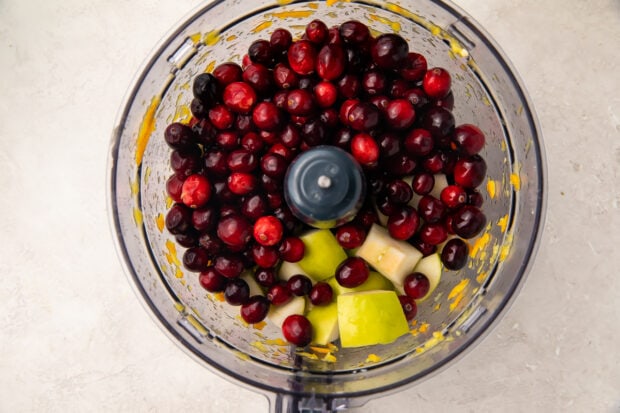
x: 487, y: 93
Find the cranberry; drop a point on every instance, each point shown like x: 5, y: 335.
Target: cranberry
x: 280, y: 40
x: 178, y: 135
x: 221, y: 117
x: 400, y: 164
x: 425, y: 248
x: 333, y: 36
x: 454, y: 254
x: 196, y: 259
x: 279, y: 99
x: 178, y: 219
x: 243, y: 123
x: 284, y: 151
x: 198, y: 109
x: 416, y: 97
x: 380, y: 102
x: 237, y: 292
x: 267, y: 116
x: 269, y: 137
x: 284, y: 77
x: 212, y: 281
x: 419, y: 142
x: 352, y: 272
x: 384, y: 205
x: 270, y: 184
x: 345, y: 108
x: 389, y: 144
x: 470, y: 172
x: 255, y: 309
x: 300, y: 102
x: 226, y: 73
x: 349, y: 86
x: 185, y: 161
x: 264, y: 256
x: 439, y: 122
x: 279, y: 294
x: 211, y: 243
x: 409, y: 306
x: 431, y: 209
x: 230, y: 266
x: 433, y: 234
x: 188, y: 239
x: 302, y: 57
x: 389, y: 51
x: 414, y: 67
x: 234, y: 230
x: 363, y: 117
x: 292, y: 249
x: 468, y: 221
x: 196, y: 191
x: 398, y: 88
x: 416, y: 285
x: 403, y: 223
x: 365, y: 149
x: 422, y: 183
x: 321, y: 294
x: 267, y: 277
x: 222, y: 193
x: 260, y: 52
x: 259, y: 77
x: 433, y: 163
x: 174, y: 186
x: 242, y: 183
x: 374, y: 83
x: 330, y: 63
x: 453, y: 196
x: 399, y: 192
x: 377, y: 184
x: 325, y: 94
x: 299, y: 285
x: 254, y: 206
x: 290, y: 136
x: 204, y: 132
x: 205, y: 88
x: 354, y: 32
x: 316, y: 32
x: 307, y: 83
x: 366, y: 217
x: 446, y: 102
x: 350, y: 236
x: 228, y: 139
x: 273, y: 165
x: 239, y: 97
x: 241, y: 160
x: 268, y: 230
x: 469, y: 139
x: 342, y: 138
x: 297, y: 330
x: 329, y: 117
x: 437, y: 83
x: 314, y: 132
x: 474, y: 198
x: 287, y: 218
x: 275, y: 200
x: 400, y: 114
x: 204, y: 219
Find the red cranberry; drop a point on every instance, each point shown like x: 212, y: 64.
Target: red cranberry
x: 354, y: 32
x: 398, y: 88
x: 366, y: 217
x: 290, y: 136
x: 446, y: 102
x: 268, y: 230
x: 470, y: 172
x: 292, y: 249
x: 227, y: 139
x: 245, y: 61
x: 270, y: 184
x: 221, y: 117
x: 374, y: 82
x: 211, y: 243
x: 389, y: 144
x: 222, y: 192
x: 330, y: 62
x: 425, y: 248
x: 419, y: 142
x: 239, y: 97
x: 422, y: 183
x: 241, y: 160
x: 205, y: 88
x: 363, y: 117
x: 454, y: 254
x: 264, y: 256
x: 474, y: 198
x: 401, y: 164
x: 279, y: 99
x: 316, y: 32
x: 267, y: 116
x: 321, y: 294
x: 333, y: 36
x: 279, y: 294
x: 453, y: 196
x: 389, y: 51
x: 174, y: 187
x: 226, y: 73
x: 273, y: 165
x: 431, y: 209
x: 255, y: 309
x: 437, y: 83
x: 345, y: 108
x: 289, y: 222
x: 284, y: 77
x: 350, y: 236
x: 416, y: 285
x: 275, y: 200
x: 299, y: 285
x: 242, y: 183
x: 212, y: 281
x: 254, y: 206
x: 234, y: 230
x: 325, y: 94
x: 237, y: 292
x: 178, y: 219
x: 380, y: 101
x: 342, y: 138
x: 349, y: 86
x: 230, y: 266
x: 365, y: 149
x: 329, y: 117
x: 416, y: 97
x: 185, y: 161
x: 260, y: 52
x: 403, y: 223
x: 284, y: 151
x: 302, y: 57
x: 314, y: 132
x: 410, y: 308
x: 300, y: 102
x: 267, y: 277
x: 204, y: 219
x: 196, y: 191
x: 259, y: 77
x: 269, y: 137
x: 468, y: 221
x: 297, y: 330
x: 307, y: 83
x: 469, y: 139
x: 433, y: 234
x: 439, y: 122
x: 433, y: 163
x: 243, y: 123
x: 199, y: 110
x: 399, y: 192
x: 400, y: 114
x: 414, y: 67
x: 352, y: 272
x: 280, y: 40
x: 196, y: 259
x: 178, y: 135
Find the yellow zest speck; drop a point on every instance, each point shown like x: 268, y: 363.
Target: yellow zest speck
x: 491, y: 188
x: 414, y: 332
x: 284, y: 2
x: 307, y: 355
x: 169, y: 202
x: 456, y: 302
x: 481, y: 277
x: 330, y: 358
x: 515, y: 180
x: 137, y: 216
x: 201, y: 329
x: 171, y: 255
x: 331, y: 2
x: 135, y: 187
x: 178, y: 273
x: 241, y: 320
x: 419, y: 350
x: 231, y: 38
x: 241, y: 355
x: 505, y: 249
x: 212, y: 37
x: 182, y: 113
x: 486, y: 101
x: 520, y: 110
x: 185, y: 86
x: 293, y: 14
x: 458, y: 289
x: 259, y: 325
x: 260, y: 346
x: 159, y: 220
x: 195, y: 38
x: 334, y: 348
x: 373, y: 358
x: 503, y: 222
x: 313, y: 5
x: 424, y: 327
x: 393, y: 25
x: 437, y: 307
x: 438, y: 335
x: 146, y: 128
x: 276, y: 341
x: 179, y: 307
x: 414, y: 323
x: 321, y: 350
x: 264, y: 25
x: 219, y: 296
x: 480, y: 244
x: 147, y: 174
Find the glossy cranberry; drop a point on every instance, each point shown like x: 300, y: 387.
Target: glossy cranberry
x: 199, y: 110
x: 398, y: 88
x: 363, y: 117
x: 400, y: 164
x: 284, y: 151
x: 254, y: 206
x: 292, y: 249
x: 416, y: 285
x: 229, y: 265
x: 357, y: 58
x: 212, y: 281
x: 185, y: 161
x: 226, y: 210
x: 437, y: 83
x: 237, y: 292
x: 227, y: 139
x: 204, y: 132
x: 178, y: 219
x: 453, y: 196
x: 365, y: 149
x: 270, y: 184
x: 289, y: 222
x: 333, y: 36
x: 299, y: 285
x: 433, y: 163
x: 242, y: 183
x: 342, y: 138
x: 297, y: 330
x: 221, y: 117
x: 350, y: 236
x: 349, y: 86
x: 433, y: 234
x: 275, y: 199
x: 314, y: 132
x: 222, y: 193
x: 240, y: 97
x: 389, y: 144
x: 245, y: 61
x: 211, y: 243
x: 264, y: 256
x: 196, y: 259
x: 419, y: 142
x: 354, y: 32
x: 279, y: 99
x: 468, y: 221
x: 259, y: 77
x: 267, y: 277
x: 380, y: 101
x: 269, y: 137
x: 345, y: 108
x: 234, y: 230
x: 260, y: 52
x: 416, y: 97
x: 279, y: 294
x: 422, y: 183
x: 267, y: 116
x: 196, y: 191
x: 409, y: 306
x: 474, y: 198
x: 284, y: 77
x: 413, y: 67
x: 374, y: 83
x: 302, y: 57
x: 241, y: 160
x: 377, y: 183
x: 403, y: 223
x: 400, y: 114
x: 273, y: 165
x: 316, y: 32
x: 227, y: 73
x: 268, y: 230
x: 438, y: 121
x: 243, y: 123
x: 178, y: 135
x: 446, y: 102
x: 366, y: 217
x: 255, y: 309
x: 204, y: 219
x: 470, y: 172
x: 352, y: 272
x: 425, y: 248
x: 280, y: 40
x: 454, y: 254
x: 300, y: 102
x: 389, y: 51
x: 431, y: 209
x: 205, y: 88
x: 325, y: 94
x: 174, y: 186
x: 188, y: 239
x: 449, y: 158
x: 331, y: 61
x: 468, y: 139
x: 307, y: 83
x: 399, y: 192
x: 329, y: 117
x: 290, y: 136
x: 321, y: 294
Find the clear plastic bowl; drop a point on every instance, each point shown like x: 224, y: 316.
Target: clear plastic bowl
x: 487, y: 93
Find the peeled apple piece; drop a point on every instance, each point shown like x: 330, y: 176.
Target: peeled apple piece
x: 370, y: 317
x: 324, y: 320
x: 431, y: 267
x: 393, y: 258
x: 289, y: 269
x: 322, y: 254
x: 278, y: 313
x: 252, y: 284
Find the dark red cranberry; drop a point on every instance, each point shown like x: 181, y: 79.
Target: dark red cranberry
x: 279, y: 99
x: 374, y: 83
x: 307, y: 83
x: 297, y: 330
x: 350, y: 236
x: 423, y: 183
x: 352, y: 272
x: 226, y: 73
x: 259, y: 77
x: 228, y: 139
x: 300, y: 102
x: 389, y: 51
x: 178, y: 135
x: 254, y: 206
x: 234, y: 230
x: 284, y: 77
x: 325, y: 94
x: 222, y: 193
x: 243, y: 123
x: 474, y: 198
x: 255, y: 309
x: 399, y: 114
x: 331, y: 61
x: 433, y: 234
x: 185, y: 161
x: 425, y: 248
x: 398, y: 88
x: 299, y: 285
x: 292, y: 249
x: 196, y: 259
x: 345, y: 108
x: 212, y: 281
x: 270, y: 184
x: 354, y: 32
x: 380, y: 102
x: 264, y: 256
x: 329, y: 117
x: 366, y: 217
x: 416, y: 97
x: 468, y: 221
x: 433, y: 163
x: 316, y: 32
x: 468, y: 139
x: 416, y: 285
x: 409, y: 306
x: 419, y: 142
x: 237, y: 292
x: 403, y: 223
x: 333, y: 36
x: 268, y: 230
x: 314, y: 132
x: 229, y: 265
x: 342, y: 138
x: 204, y: 219
x: 267, y: 277
x: 399, y: 192
x: 284, y: 151
x: 289, y: 222
x: 302, y: 57
x: 384, y: 205
x: 221, y: 117
x: 438, y: 121
x: 273, y: 165
x: 279, y: 294
x: 275, y: 200
x: 453, y: 196
x: 414, y: 67
x: 449, y: 158
x: 267, y: 116
x: 199, y: 110
x: 400, y: 164
x: 365, y: 149
x: 226, y: 210
x: 280, y: 40
x: 240, y: 97
x: 260, y: 52
x: 178, y: 219
x: 321, y: 293
x: 470, y: 172
x: 446, y: 102
x: 431, y: 209
x: 241, y: 160
x: 389, y: 144
x: 454, y: 254
x: 290, y: 136
x: 205, y: 88
x: 174, y: 186
x: 364, y: 117
x: 357, y: 59
x: 269, y: 137
x: 196, y: 191
x: 215, y: 162
x: 242, y: 183
x: 211, y: 243
x: 377, y: 183
x: 437, y: 83
x: 349, y: 86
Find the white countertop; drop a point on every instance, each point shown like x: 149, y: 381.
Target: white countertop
x: 73, y: 337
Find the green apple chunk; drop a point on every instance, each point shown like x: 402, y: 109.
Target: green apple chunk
x: 322, y: 255
x: 255, y: 289
x: 370, y: 317
x: 431, y: 267
x: 393, y: 258
x: 324, y: 320
x: 375, y: 281
x: 288, y: 269
x: 278, y: 313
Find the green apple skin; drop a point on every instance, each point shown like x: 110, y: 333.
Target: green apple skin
x: 322, y: 254
x: 324, y: 320
x: 375, y: 281
x: 368, y: 318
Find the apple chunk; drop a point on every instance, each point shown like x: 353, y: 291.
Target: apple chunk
x: 324, y: 319
x: 322, y: 254
x: 278, y: 313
